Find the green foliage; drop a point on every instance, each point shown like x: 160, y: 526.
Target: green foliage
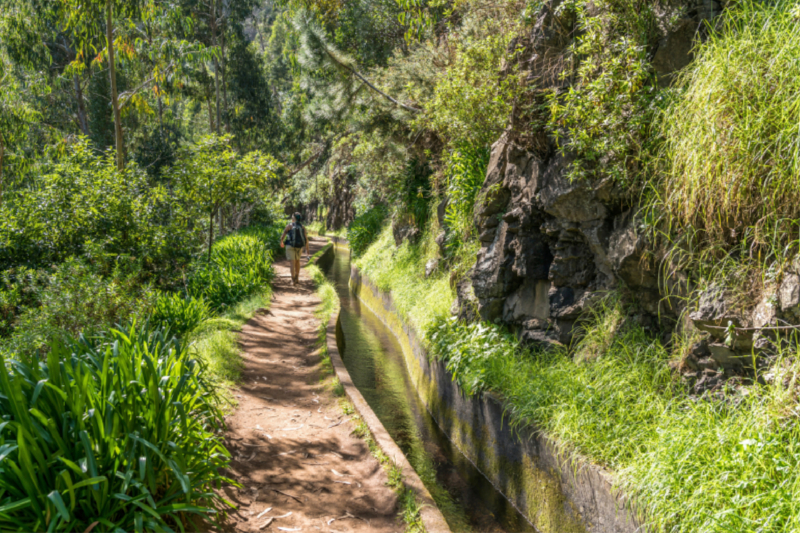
x: 690, y: 466
x: 178, y: 314
x: 603, y: 121
x: 472, y: 101
x: 465, y: 171
x: 269, y: 235
x: 117, y: 431
x: 209, y: 175
x: 83, y: 205
x: 364, y: 229
x: 412, y: 194
x: 732, y: 159
x: 19, y: 288
x: 424, y: 301
x: 75, y: 298
x: 462, y: 345
x: 239, y: 266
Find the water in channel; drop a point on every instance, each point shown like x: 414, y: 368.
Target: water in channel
x: 375, y: 361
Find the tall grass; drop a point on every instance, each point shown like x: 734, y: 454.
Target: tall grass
x: 401, y: 271
x: 732, y: 142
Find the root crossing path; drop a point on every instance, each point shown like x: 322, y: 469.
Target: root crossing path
x: 292, y: 449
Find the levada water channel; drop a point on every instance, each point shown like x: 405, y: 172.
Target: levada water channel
x: 374, y: 359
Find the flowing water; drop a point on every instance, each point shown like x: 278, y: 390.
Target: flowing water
x: 374, y: 359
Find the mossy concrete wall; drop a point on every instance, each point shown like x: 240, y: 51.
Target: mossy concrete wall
x: 325, y: 257
x: 557, y: 495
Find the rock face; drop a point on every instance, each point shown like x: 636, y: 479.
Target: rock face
x: 550, y: 246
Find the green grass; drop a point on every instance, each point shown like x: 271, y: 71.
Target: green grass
x: 732, y: 157
x: 691, y: 465
x: 424, y: 301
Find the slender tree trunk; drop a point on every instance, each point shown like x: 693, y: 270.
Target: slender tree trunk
x: 83, y: 123
x: 216, y: 62
x: 210, y: 115
x: 2, y: 155
x: 210, y: 232
x: 216, y: 90
x: 112, y: 72
x: 224, y: 87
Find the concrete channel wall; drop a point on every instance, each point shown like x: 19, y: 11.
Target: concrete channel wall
x: 557, y: 495
x: 432, y: 518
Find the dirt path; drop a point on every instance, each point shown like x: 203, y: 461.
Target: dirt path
x: 292, y: 448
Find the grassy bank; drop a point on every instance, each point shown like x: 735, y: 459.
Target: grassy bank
x: 691, y: 465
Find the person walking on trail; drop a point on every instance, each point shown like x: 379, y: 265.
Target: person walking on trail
x: 296, y: 238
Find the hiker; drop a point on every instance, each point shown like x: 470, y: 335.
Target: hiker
x: 295, y: 240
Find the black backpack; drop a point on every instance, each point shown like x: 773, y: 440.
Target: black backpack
x: 295, y: 237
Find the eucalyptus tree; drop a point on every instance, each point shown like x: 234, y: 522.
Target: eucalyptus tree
x: 90, y: 18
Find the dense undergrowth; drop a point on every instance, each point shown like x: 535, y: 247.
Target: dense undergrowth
x: 120, y: 425
x: 691, y: 465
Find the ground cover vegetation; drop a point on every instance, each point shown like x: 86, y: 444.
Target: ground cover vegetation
x: 135, y: 240
x: 147, y: 148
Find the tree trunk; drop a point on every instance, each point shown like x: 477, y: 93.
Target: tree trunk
x: 216, y: 90
x: 112, y: 72
x: 210, y: 232
x: 83, y: 123
x: 210, y: 115
x: 216, y: 63
x: 2, y: 154
x: 224, y: 87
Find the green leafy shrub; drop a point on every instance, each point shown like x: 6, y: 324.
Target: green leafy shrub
x: 471, y: 103
x: 19, y: 288
x: 118, y: 432
x: 364, y: 229
x: 179, y: 314
x: 603, y: 122
x: 239, y: 266
x: 77, y: 299
x: 466, y: 171
x: 81, y: 198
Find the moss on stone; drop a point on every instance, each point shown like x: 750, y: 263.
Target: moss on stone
x: 525, y: 484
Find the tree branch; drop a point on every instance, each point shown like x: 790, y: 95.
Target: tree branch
x: 368, y: 84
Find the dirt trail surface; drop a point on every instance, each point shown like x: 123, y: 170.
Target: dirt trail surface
x: 292, y: 447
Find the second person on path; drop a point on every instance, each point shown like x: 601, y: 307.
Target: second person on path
x: 296, y: 238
